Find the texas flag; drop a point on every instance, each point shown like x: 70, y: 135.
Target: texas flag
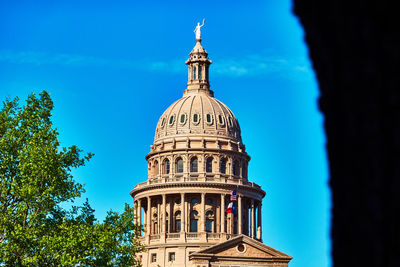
x: 231, y: 208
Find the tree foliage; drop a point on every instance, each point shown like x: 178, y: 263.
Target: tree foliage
x: 35, y: 178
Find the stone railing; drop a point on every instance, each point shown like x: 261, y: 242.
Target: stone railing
x: 217, y: 178
x: 154, y: 237
x: 173, y: 235
x: 213, y: 235
x: 189, y: 237
x: 192, y: 235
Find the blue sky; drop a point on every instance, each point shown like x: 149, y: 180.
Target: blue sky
x: 113, y: 67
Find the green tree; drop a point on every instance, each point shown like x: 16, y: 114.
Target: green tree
x: 35, y: 178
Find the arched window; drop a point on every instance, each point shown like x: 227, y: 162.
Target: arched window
x: 155, y: 230
x: 201, y: 73
x: 155, y: 224
x: 155, y: 168
x: 177, y: 221
x: 194, y: 201
x: 222, y: 166
x: 209, y: 164
x: 166, y: 166
x: 194, y: 163
x: 194, y: 73
x: 236, y: 168
x: 244, y: 170
x: 209, y: 221
x: 194, y: 218
x: 179, y: 165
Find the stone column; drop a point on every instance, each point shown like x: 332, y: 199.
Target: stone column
x: 222, y: 213
x: 135, y: 212
x: 148, y: 217
x: 183, y: 214
x: 144, y: 220
x: 240, y: 226
x: 158, y: 218
x: 164, y: 212
x: 253, y: 215
x: 231, y: 217
x: 202, y: 212
x: 259, y: 227
x: 171, y: 215
x: 139, y: 214
x: 218, y: 219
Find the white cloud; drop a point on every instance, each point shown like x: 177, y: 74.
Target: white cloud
x: 255, y: 65
x: 247, y: 65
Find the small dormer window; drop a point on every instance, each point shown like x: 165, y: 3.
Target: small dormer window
x: 230, y: 121
x: 182, y: 119
x: 163, y: 122
x: 220, y: 119
x: 171, y: 120
x: 209, y: 118
x: 196, y: 118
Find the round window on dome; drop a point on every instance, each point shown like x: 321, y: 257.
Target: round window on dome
x: 196, y: 118
x: 220, y: 119
x: 163, y: 122
x: 182, y: 119
x: 230, y: 121
x: 209, y: 119
x: 171, y: 120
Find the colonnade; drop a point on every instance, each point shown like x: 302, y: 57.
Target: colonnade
x: 159, y: 221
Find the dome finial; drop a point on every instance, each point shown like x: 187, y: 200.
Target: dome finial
x: 197, y: 31
x: 198, y: 65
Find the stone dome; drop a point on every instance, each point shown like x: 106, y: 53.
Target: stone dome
x: 198, y: 113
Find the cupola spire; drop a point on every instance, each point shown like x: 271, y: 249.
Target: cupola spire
x: 198, y: 64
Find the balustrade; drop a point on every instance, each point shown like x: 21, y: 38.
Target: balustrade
x: 173, y: 235
x: 155, y: 237
x: 213, y: 235
x: 192, y: 235
x: 229, y: 179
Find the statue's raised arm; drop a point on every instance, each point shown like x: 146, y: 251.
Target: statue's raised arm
x: 198, y: 31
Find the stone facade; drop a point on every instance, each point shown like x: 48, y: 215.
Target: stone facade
x: 196, y: 161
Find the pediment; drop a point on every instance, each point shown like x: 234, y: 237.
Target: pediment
x: 242, y: 247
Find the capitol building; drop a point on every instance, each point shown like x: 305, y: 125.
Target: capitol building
x: 198, y: 207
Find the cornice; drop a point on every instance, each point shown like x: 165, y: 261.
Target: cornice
x: 203, y: 150
x: 198, y: 184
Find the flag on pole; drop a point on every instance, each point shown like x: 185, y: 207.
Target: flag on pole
x: 234, y: 209
x: 233, y: 195
x: 230, y: 208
